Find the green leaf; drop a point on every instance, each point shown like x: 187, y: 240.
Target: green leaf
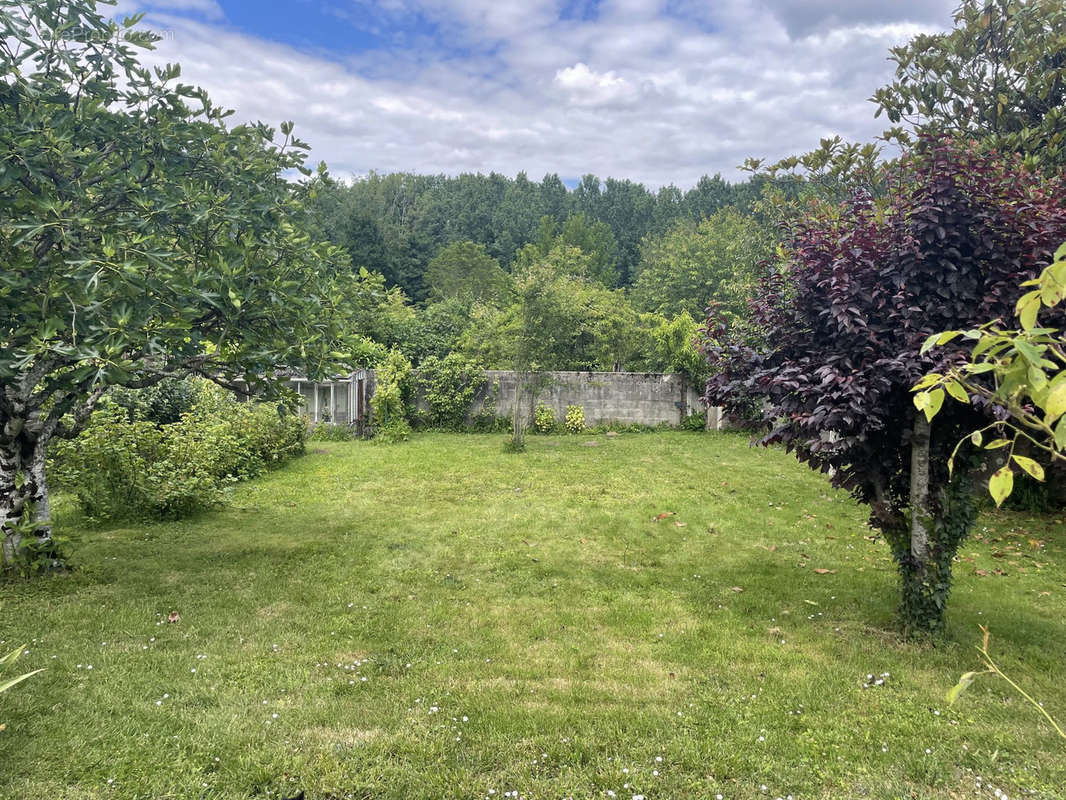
x: 929, y: 343
x: 1029, y: 465
x: 1028, y: 351
x: 8, y: 684
x: 1001, y: 484
x: 976, y: 437
x: 960, y: 687
x: 997, y: 443
x: 927, y: 381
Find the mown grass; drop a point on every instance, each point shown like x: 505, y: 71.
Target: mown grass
x: 566, y: 641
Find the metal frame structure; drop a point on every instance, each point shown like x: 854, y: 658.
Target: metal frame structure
x: 346, y: 403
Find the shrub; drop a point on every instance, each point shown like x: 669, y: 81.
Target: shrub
x: 544, y: 419
x: 575, y: 419
x: 694, y: 422
x: 392, y: 398
x: 332, y: 432
x: 162, y: 404
x: 449, y: 386
x: 121, y: 467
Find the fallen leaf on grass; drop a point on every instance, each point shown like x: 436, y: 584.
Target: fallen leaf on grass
x: 173, y: 616
x: 680, y: 524
x: 810, y: 602
x: 738, y: 589
x: 823, y: 571
x: 662, y: 516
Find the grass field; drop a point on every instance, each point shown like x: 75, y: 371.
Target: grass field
x: 439, y: 619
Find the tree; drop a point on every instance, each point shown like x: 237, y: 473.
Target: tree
x: 596, y: 240
x: 843, y: 323
x: 141, y: 238
x: 463, y: 270
x: 677, y: 351
x: 999, y: 75
x: 693, y: 264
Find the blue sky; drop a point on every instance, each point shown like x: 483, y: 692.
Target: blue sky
x: 659, y: 91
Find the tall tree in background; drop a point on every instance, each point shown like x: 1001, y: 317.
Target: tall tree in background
x: 999, y: 76
x: 464, y: 271
x: 693, y: 265
x: 140, y: 238
x: 843, y: 324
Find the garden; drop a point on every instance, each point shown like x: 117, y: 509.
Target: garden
x: 443, y: 588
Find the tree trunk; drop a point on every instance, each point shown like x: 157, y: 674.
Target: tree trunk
x: 919, y: 500
x: 923, y: 584
x: 24, y: 500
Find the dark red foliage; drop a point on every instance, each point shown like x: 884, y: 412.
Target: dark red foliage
x: 841, y: 324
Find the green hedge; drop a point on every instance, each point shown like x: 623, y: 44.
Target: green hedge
x: 122, y: 466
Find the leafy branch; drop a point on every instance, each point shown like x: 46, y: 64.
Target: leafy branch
x: 1020, y: 371
x: 991, y: 668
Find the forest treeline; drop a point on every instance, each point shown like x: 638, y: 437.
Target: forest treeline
x: 440, y: 264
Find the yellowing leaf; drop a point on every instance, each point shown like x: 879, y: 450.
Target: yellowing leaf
x: 1029, y: 465
x: 1027, y: 308
x: 1055, y: 404
x: 934, y: 401
x: 955, y: 390
x: 1001, y: 484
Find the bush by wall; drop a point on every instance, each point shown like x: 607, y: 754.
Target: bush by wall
x: 448, y: 386
x: 575, y: 419
x: 544, y: 419
x: 122, y: 466
x: 332, y: 432
x: 391, y: 402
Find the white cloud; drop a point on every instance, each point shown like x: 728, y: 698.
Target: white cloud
x: 631, y: 92
x: 583, y: 86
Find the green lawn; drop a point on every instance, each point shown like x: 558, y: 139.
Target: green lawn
x: 441, y: 619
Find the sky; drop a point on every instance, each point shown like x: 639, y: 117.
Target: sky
x: 656, y: 91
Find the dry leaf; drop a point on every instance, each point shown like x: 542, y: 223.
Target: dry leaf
x: 738, y: 589
x: 823, y: 571
x: 173, y: 616
x: 662, y: 516
x: 773, y: 547
x: 680, y: 524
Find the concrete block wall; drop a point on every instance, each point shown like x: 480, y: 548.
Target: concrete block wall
x: 625, y: 397
x: 645, y: 398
